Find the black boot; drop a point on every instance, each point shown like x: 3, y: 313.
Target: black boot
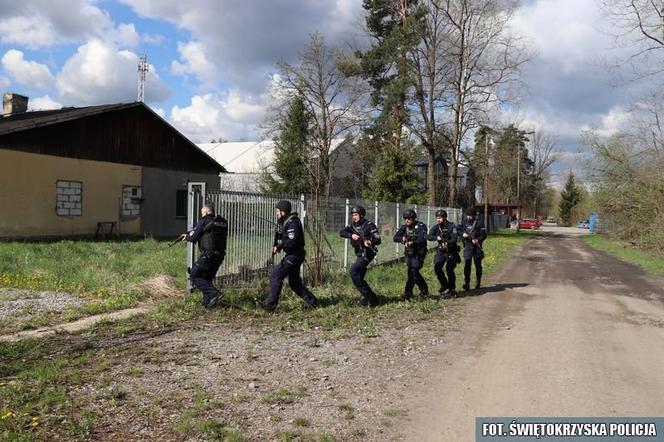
x: 478, y: 284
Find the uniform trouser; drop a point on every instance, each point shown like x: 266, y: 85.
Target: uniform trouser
x: 443, y: 259
x: 357, y: 273
x: 288, y: 267
x: 203, y: 272
x: 415, y: 263
x: 469, y: 255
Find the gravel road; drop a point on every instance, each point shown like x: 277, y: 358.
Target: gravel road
x: 579, y: 333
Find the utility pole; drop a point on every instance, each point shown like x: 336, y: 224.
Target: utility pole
x: 487, y: 140
x: 143, y: 69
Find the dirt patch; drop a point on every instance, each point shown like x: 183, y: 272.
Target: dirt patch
x: 264, y: 383
x: 16, y: 304
x: 160, y: 287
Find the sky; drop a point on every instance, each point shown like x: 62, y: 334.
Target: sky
x: 211, y: 60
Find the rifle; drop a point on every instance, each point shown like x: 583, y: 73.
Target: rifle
x: 363, y: 238
x: 409, y: 238
x: 442, y: 244
x: 471, y: 233
x: 180, y: 238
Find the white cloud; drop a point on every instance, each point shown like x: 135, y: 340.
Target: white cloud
x: 615, y: 120
x: 563, y: 30
x: 4, y: 83
x: 126, y: 36
x: 31, y: 31
x: 43, y: 103
x: 41, y: 23
x: 153, y: 39
x: 231, y: 116
x: 26, y: 72
x: 100, y: 73
x: 195, y: 61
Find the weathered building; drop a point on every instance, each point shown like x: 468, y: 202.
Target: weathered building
x: 62, y: 172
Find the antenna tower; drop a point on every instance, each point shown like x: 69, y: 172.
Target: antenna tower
x: 143, y: 69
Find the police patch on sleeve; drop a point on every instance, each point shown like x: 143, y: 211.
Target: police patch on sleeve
x: 291, y: 235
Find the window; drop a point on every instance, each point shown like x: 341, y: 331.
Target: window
x: 131, y: 201
x: 68, y: 198
x: 181, y: 203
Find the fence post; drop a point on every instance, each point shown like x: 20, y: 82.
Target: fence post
x: 303, y: 214
x: 346, y: 239
x: 428, y: 216
x: 396, y: 253
x: 376, y: 213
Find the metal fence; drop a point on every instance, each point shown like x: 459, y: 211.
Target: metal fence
x: 252, y: 220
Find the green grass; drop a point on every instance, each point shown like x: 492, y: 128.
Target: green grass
x: 34, y: 395
x: 103, y: 271
x: 107, y: 273
x: 647, y: 260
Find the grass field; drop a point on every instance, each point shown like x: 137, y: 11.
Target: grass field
x: 108, y: 274
x: 37, y: 377
x: 650, y: 262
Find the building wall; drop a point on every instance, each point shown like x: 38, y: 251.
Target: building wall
x: 160, y: 188
x: 44, y: 195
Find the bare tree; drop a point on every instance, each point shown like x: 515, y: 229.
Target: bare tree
x: 331, y: 99
x: 544, y: 152
x: 484, y: 60
x: 430, y: 73
x: 638, y: 27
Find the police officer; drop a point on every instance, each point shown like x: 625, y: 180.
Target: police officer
x: 364, y: 238
x: 210, y: 233
x: 413, y: 235
x: 288, y: 238
x: 473, y: 233
x: 445, y: 232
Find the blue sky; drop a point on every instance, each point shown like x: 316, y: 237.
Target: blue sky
x: 211, y: 60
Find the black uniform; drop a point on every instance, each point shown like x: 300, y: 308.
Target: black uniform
x: 365, y: 230
x: 210, y: 233
x: 415, y: 255
x: 472, y: 252
x: 289, y: 238
x: 447, y: 254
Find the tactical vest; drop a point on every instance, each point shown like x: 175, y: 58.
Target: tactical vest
x: 214, y: 236
x: 279, y: 231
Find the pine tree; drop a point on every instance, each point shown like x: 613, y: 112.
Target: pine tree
x: 569, y: 198
x: 290, y: 149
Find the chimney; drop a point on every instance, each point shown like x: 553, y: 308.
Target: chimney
x: 14, y: 104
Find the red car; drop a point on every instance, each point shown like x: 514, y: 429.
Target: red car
x: 528, y: 223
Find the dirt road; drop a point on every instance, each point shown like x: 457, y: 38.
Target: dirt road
x: 578, y: 333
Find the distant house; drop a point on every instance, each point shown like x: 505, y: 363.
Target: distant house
x: 246, y: 161
x: 63, y: 172
x: 421, y: 168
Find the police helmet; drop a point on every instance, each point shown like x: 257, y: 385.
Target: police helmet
x: 442, y: 213
x: 284, y: 206
x: 409, y: 214
x: 359, y: 209
x: 471, y: 212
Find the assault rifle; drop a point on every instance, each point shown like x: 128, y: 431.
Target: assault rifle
x: 442, y: 242
x: 408, y: 240
x: 361, y: 242
x: 473, y: 235
x: 180, y: 238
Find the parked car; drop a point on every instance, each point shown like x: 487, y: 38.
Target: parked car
x: 529, y: 223
x: 583, y: 224
x: 551, y: 220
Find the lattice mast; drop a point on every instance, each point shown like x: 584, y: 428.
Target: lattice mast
x: 143, y: 69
